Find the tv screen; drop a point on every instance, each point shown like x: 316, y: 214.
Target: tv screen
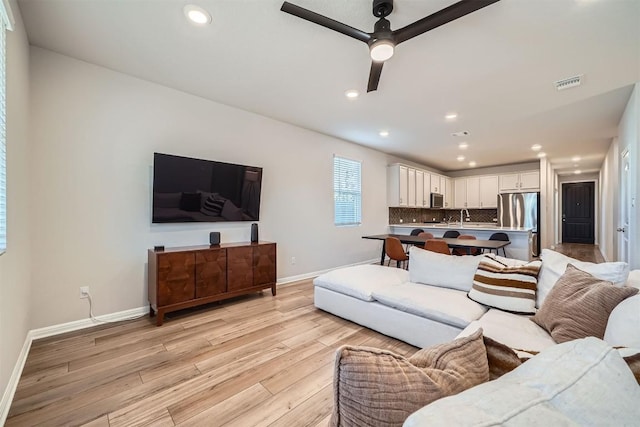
x: 196, y: 190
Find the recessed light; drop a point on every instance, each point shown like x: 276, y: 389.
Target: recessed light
x: 472, y: 164
x: 575, y: 159
x: 536, y: 147
x: 463, y: 146
x: 384, y: 133
x: 542, y: 154
x: 578, y: 172
x: 196, y: 14
x: 451, y: 116
x: 460, y: 158
x: 352, y: 94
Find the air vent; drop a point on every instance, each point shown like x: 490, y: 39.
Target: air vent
x: 568, y: 83
x: 463, y: 133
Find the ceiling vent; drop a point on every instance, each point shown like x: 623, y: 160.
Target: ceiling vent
x: 463, y: 133
x: 568, y: 83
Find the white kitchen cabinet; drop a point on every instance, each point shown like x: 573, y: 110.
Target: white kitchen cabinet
x: 448, y: 192
x: 397, y: 185
x: 530, y: 181
x: 411, y: 188
x: 459, y: 193
x: 427, y: 190
x: 488, y: 191
x: 523, y: 181
x: 473, y: 192
x: 420, y: 189
x: 436, y: 186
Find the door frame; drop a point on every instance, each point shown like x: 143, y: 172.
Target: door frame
x: 596, y: 203
x: 624, y: 202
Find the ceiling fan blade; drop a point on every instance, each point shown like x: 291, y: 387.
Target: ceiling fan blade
x: 374, y: 75
x: 448, y: 14
x: 316, y: 18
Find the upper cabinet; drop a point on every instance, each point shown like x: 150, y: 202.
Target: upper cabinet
x: 488, y: 191
x: 397, y: 185
x: 517, y: 182
x: 476, y: 192
x: 436, y: 185
x: 448, y: 192
x: 409, y: 187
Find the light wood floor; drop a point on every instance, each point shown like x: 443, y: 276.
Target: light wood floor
x: 582, y: 252
x: 256, y: 361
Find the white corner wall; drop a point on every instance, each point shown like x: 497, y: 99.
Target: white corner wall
x: 15, y: 263
x: 609, y: 202
x: 94, y: 132
x: 629, y: 138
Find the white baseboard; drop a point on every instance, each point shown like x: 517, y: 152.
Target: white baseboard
x: 87, y: 323
x: 284, y: 280
x: 34, y: 334
x: 62, y: 328
x: 10, y: 390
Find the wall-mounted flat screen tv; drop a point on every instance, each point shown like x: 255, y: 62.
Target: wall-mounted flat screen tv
x: 196, y: 190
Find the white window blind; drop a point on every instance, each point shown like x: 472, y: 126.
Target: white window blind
x: 347, y: 191
x: 3, y: 131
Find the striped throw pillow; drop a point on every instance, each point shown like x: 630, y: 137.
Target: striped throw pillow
x: 509, y: 288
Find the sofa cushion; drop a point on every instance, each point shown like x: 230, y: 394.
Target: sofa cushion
x: 510, y: 288
x: 582, y: 382
x: 623, y: 326
x: 432, y: 268
x: 361, y: 280
x: 579, y: 306
x: 377, y: 387
x: 443, y: 305
x: 554, y: 265
x: 513, y: 330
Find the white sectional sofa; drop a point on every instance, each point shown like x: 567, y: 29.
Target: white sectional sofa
x: 428, y: 304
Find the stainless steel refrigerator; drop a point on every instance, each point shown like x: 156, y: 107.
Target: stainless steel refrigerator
x: 521, y: 210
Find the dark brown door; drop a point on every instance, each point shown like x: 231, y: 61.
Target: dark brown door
x: 211, y: 272
x: 239, y: 268
x: 578, y: 223
x: 176, y: 277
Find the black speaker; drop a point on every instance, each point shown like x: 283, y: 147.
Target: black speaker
x: 214, y: 238
x: 254, y: 233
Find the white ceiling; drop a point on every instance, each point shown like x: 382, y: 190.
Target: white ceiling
x: 495, y: 68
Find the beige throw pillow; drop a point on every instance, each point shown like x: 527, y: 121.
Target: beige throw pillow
x: 579, y: 306
x: 375, y: 387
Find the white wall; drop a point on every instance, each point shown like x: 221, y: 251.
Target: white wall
x: 94, y: 134
x: 628, y: 138
x: 609, y: 202
x: 15, y: 263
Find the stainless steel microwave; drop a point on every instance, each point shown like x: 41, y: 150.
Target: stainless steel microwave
x: 437, y: 200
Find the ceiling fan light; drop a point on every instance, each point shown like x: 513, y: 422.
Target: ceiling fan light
x: 381, y: 50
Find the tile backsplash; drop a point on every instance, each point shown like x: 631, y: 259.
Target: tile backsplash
x: 408, y: 215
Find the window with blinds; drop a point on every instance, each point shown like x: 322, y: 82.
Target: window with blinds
x: 3, y: 133
x: 347, y: 191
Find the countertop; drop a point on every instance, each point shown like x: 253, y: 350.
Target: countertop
x: 466, y: 226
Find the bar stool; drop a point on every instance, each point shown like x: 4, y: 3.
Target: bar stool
x: 503, y: 237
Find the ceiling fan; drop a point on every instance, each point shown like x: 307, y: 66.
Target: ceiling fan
x: 383, y: 41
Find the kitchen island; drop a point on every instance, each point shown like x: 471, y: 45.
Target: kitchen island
x: 521, y: 238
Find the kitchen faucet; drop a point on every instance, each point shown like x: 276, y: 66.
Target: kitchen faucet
x: 468, y: 216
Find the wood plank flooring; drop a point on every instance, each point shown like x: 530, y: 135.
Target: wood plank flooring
x: 580, y: 251
x: 254, y: 361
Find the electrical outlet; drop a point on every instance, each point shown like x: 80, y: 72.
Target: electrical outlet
x: 293, y: 260
x: 84, y: 292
